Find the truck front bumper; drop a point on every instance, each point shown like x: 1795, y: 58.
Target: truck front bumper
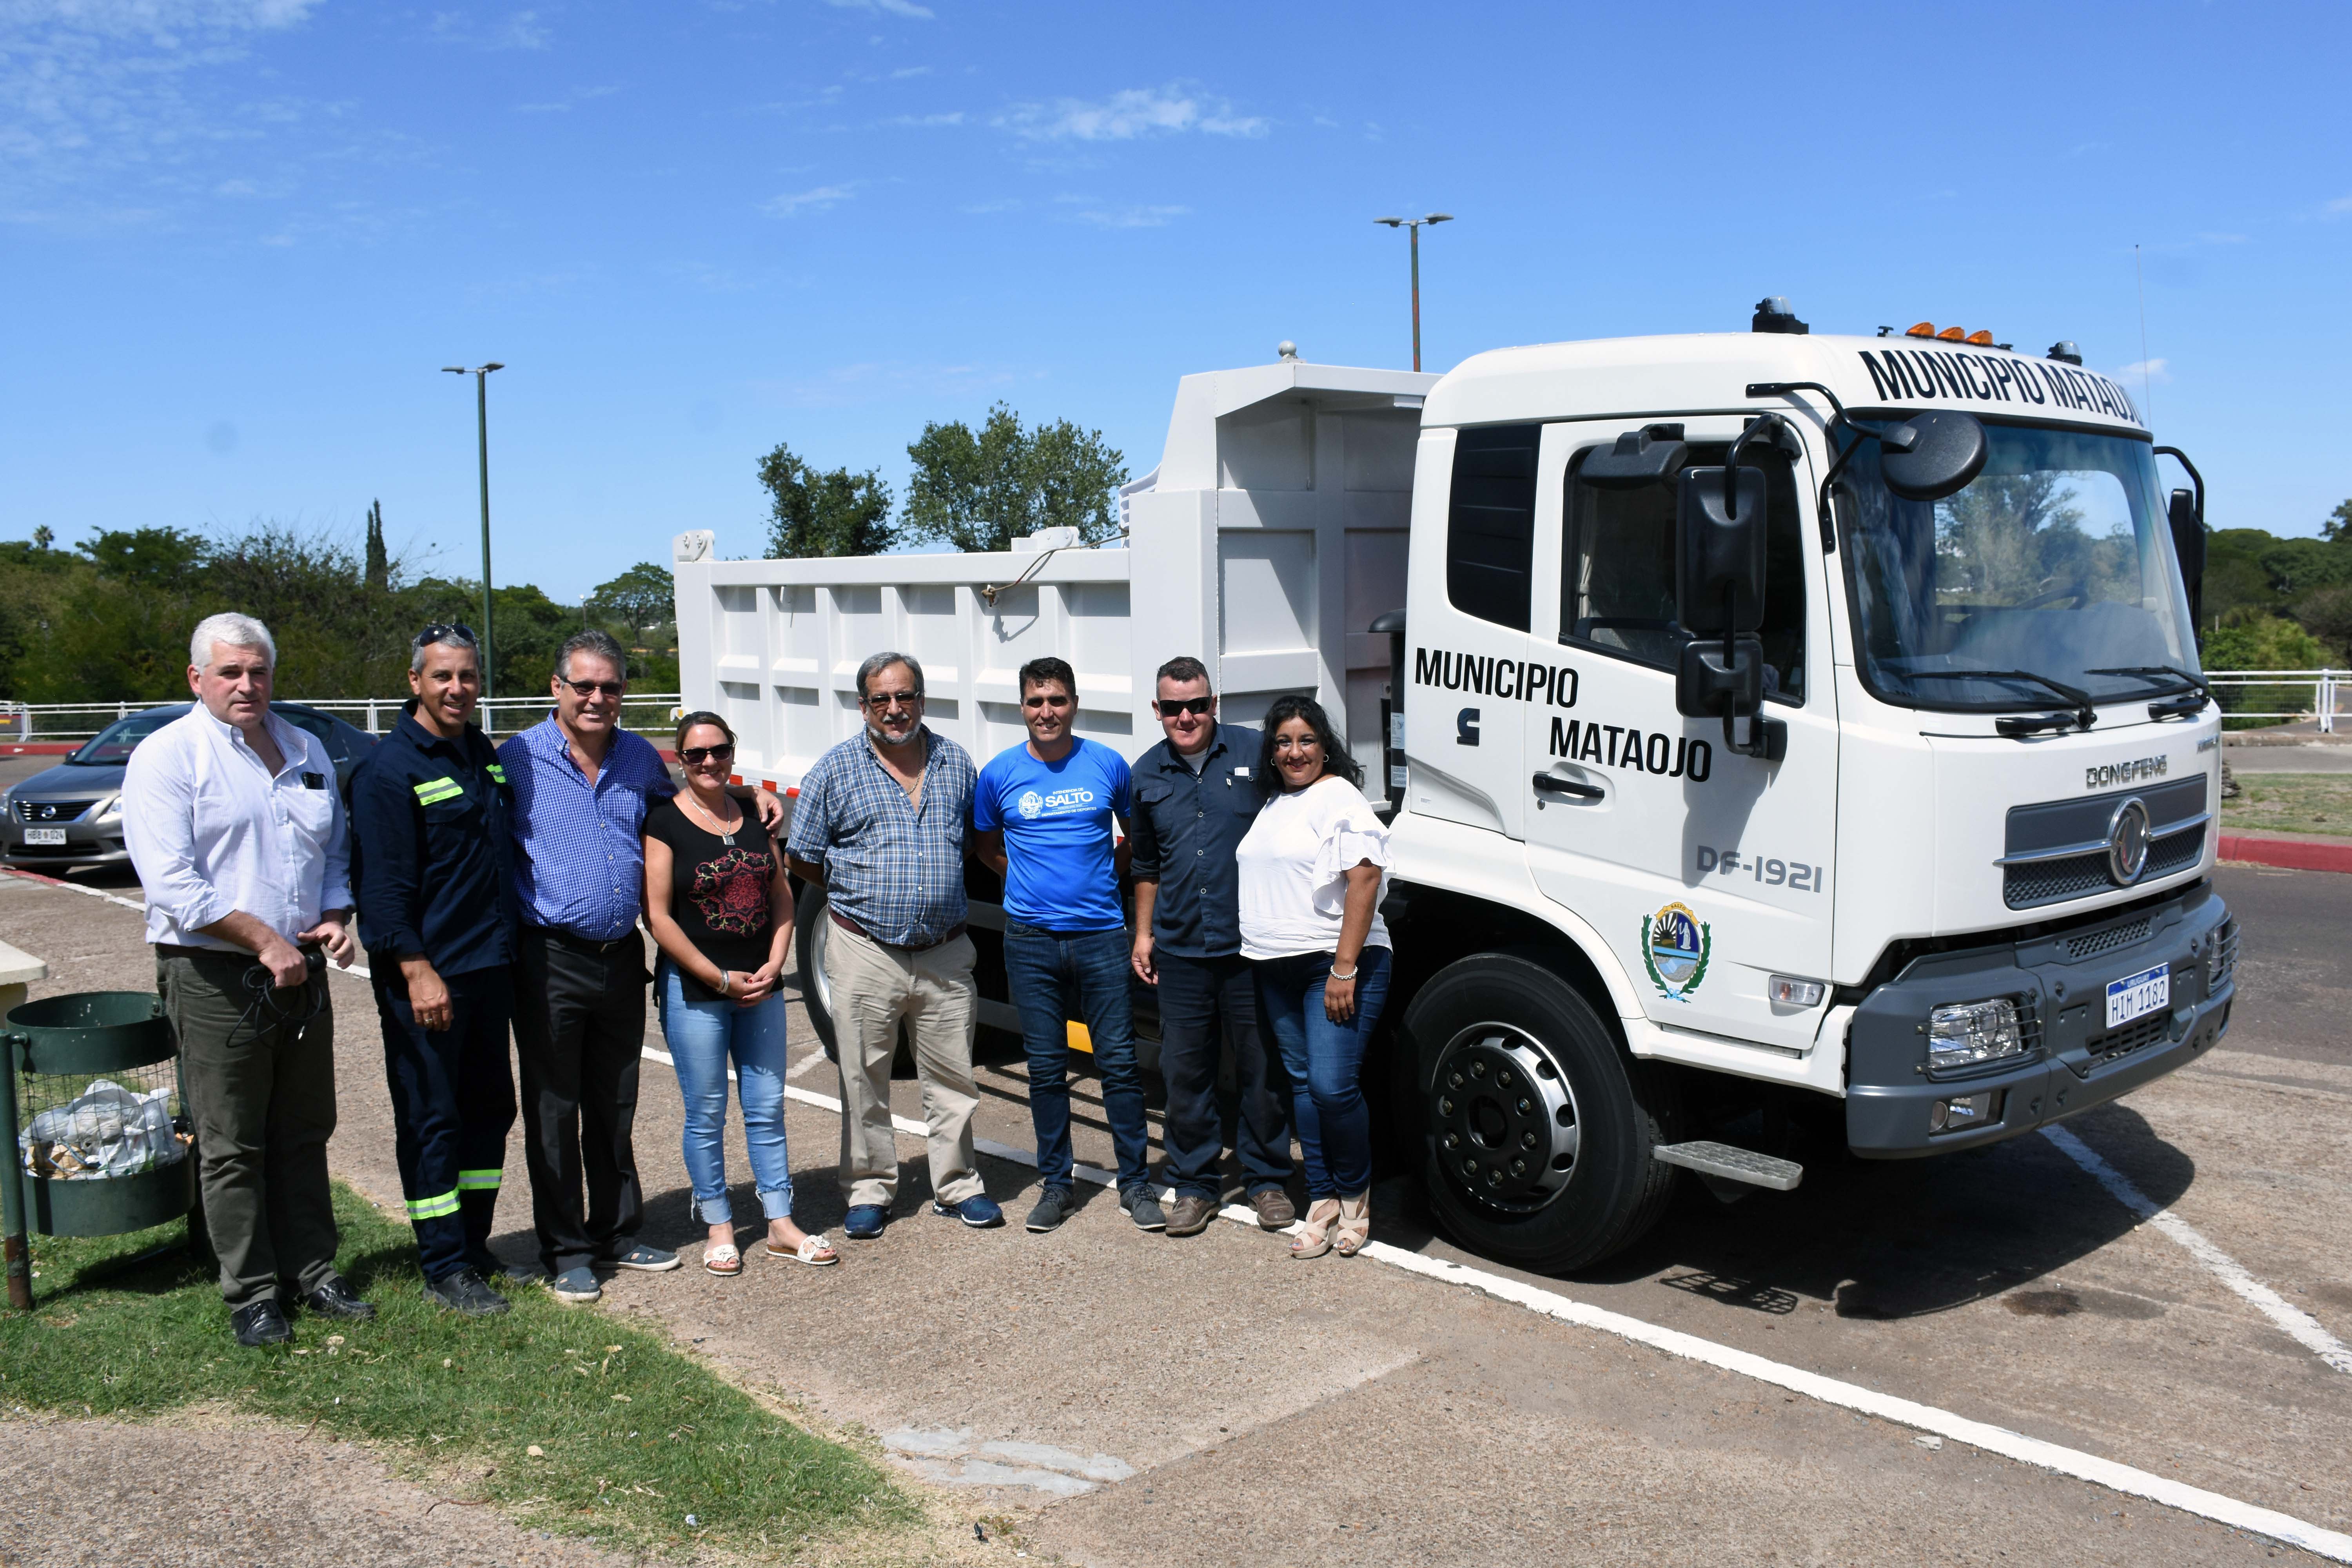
x: 2073, y: 1060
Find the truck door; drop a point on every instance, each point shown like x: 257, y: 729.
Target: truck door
x: 1707, y: 870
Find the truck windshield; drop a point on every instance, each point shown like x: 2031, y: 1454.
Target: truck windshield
x: 2053, y: 563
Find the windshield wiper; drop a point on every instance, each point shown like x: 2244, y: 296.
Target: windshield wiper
x: 2189, y: 682
x: 2079, y: 700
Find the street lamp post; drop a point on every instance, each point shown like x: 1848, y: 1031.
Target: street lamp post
x: 1414, y: 225
x: 481, y: 374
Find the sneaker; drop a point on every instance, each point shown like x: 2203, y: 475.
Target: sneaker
x: 980, y: 1211
x: 577, y: 1283
x: 466, y: 1294
x: 865, y: 1222
x: 645, y: 1260
x: 1053, y: 1208
x: 1275, y: 1209
x: 260, y: 1323
x: 1190, y: 1214
x: 334, y: 1299
x: 1143, y: 1209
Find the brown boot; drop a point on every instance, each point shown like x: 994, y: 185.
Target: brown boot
x: 1190, y: 1214
x: 1274, y: 1208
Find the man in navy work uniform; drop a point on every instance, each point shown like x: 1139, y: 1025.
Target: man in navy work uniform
x: 431, y: 865
x: 1044, y: 810
x: 1194, y: 800
x: 581, y: 784
x: 881, y: 823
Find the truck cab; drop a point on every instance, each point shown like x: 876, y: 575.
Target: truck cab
x: 1903, y: 815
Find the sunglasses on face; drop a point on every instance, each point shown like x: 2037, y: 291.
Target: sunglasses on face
x: 1169, y: 707
x: 881, y: 702
x: 694, y: 756
x: 591, y: 688
x: 1046, y: 700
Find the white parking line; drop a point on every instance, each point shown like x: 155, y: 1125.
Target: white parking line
x: 2300, y: 1325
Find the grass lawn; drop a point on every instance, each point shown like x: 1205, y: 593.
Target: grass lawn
x: 2291, y: 803
x: 584, y: 1423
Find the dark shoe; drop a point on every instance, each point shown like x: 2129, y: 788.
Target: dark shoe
x: 1143, y: 1209
x: 1053, y: 1208
x: 865, y: 1222
x: 466, y: 1293
x: 1275, y: 1209
x: 645, y: 1260
x: 484, y: 1264
x: 1190, y: 1214
x: 334, y: 1299
x: 577, y: 1284
x: 260, y: 1323
x: 980, y: 1212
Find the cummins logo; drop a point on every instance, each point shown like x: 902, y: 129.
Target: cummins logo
x: 2107, y: 775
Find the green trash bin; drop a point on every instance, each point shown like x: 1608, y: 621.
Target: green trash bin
x: 82, y: 1159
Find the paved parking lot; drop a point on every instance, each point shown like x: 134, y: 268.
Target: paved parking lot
x: 1133, y: 1399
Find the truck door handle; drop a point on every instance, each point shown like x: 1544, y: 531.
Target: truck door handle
x: 1550, y: 783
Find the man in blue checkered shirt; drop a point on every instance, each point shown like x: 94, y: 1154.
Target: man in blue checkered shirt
x: 881, y: 822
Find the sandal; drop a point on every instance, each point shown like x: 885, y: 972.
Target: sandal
x: 1355, y: 1224
x: 813, y: 1250
x: 1313, y: 1239
x: 723, y: 1259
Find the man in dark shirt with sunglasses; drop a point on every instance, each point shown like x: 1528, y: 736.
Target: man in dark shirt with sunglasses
x: 582, y: 785
x: 1194, y: 801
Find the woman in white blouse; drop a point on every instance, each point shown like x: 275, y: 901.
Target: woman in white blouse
x: 1313, y: 868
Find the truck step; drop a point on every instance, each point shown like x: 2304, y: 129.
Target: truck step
x: 1732, y: 1164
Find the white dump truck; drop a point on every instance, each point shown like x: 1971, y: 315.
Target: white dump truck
x: 1794, y: 742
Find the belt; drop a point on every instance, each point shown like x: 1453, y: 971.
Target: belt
x: 845, y: 923
x: 579, y: 943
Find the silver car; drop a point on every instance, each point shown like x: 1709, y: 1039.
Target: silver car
x: 71, y: 815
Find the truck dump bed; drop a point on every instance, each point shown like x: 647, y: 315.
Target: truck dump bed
x: 1268, y: 539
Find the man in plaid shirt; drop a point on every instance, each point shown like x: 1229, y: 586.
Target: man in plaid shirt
x: 881, y: 823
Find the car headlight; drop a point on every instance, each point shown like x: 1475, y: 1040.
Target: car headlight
x: 1967, y: 1033
x: 108, y: 810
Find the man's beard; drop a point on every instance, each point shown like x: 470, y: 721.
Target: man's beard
x: 884, y: 737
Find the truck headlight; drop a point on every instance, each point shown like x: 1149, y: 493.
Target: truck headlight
x: 1970, y: 1032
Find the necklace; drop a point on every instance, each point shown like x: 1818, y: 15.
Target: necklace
x: 726, y: 833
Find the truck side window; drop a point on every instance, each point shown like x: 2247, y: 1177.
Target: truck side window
x: 1490, y: 526
x: 1617, y: 587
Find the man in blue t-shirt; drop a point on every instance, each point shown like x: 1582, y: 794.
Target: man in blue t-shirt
x: 1044, y: 812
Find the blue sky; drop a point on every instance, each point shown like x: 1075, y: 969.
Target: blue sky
x: 244, y: 235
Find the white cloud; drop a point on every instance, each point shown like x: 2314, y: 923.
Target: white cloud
x: 1125, y: 116
x: 1132, y: 217
x: 955, y: 119
x: 905, y: 72
x: 818, y: 200
x: 2145, y: 371
x: 518, y: 30
x: 885, y: 7
x: 2340, y: 205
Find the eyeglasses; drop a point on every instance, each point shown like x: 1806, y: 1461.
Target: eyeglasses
x: 693, y: 756
x: 457, y: 632
x: 591, y: 688
x: 885, y: 699
x: 1169, y: 708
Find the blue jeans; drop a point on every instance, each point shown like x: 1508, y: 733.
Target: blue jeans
x: 1051, y: 975
x: 702, y: 1035
x: 1326, y: 1063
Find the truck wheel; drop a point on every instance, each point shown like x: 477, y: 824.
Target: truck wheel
x: 1537, y: 1127
x: 816, y: 992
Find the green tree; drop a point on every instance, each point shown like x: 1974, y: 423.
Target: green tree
x: 2327, y: 616
x: 982, y: 491
x: 2337, y: 529
x: 816, y: 514
x: 641, y: 599
x: 2250, y: 640
x: 379, y: 560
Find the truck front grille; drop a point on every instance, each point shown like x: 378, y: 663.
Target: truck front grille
x: 2079, y: 876
x: 2092, y: 944
x: 2137, y: 1035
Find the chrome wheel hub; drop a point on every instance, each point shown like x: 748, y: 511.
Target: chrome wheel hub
x: 1504, y: 1118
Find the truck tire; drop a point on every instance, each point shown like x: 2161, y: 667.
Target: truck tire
x: 816, y: 992
x: 1537, y: 1125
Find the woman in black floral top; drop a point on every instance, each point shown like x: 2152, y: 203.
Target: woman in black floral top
x: 718, y: 904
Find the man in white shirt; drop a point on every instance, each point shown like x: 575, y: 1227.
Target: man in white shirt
x: 233, y: 820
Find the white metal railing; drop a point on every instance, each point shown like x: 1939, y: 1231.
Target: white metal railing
x: 23, y: 723
x: 2331, y: 693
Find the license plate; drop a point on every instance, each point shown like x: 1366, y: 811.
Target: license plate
x: 2136, y: 996
x: 45, y: 836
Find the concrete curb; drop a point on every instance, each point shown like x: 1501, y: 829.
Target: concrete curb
x: 2292, y: 854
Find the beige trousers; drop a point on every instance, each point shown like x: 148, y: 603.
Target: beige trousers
x: 874, y: 988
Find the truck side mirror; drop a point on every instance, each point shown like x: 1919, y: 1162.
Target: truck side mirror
x: 1649, y: 456
x: 2187, y: 537
x: 1719, y: 551
x: 1932, y: 455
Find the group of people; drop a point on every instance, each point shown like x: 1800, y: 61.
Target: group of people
x: 502, y: 889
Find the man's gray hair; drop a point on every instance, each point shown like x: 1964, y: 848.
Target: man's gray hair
x: 236, y: 631
x: 882, y: 661
x: 449, y: 636
x: 603, y: 645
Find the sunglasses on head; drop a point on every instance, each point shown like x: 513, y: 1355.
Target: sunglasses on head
x: 457, y: 632
x: 591, y: 688
x: 694, y: 756
x: 1169, y: 707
